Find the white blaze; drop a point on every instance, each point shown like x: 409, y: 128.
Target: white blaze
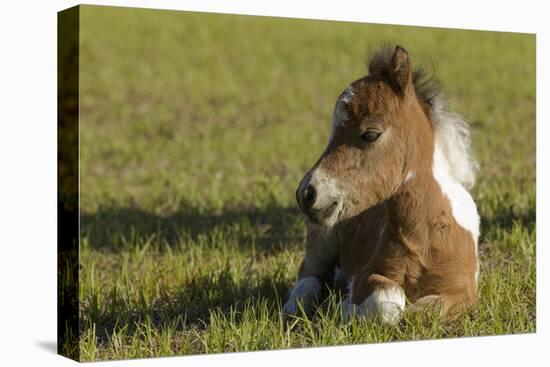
x: 339, y: 114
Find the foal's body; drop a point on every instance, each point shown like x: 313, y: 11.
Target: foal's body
x: 406, y: 232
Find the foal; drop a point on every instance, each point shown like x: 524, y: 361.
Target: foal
x: 386, y: 201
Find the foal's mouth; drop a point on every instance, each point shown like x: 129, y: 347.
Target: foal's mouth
x: 326, y: 216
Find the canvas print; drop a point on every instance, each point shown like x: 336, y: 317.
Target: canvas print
x: 237, y: 183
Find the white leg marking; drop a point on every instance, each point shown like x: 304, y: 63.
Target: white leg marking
x: 385, y: 304
x: 305, y: 290
x: 462, y: 205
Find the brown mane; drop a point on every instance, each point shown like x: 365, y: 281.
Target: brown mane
x: 452, y: 129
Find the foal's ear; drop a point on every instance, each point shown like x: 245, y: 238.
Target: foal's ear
x: 401, y: 68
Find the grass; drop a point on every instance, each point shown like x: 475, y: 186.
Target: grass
x: 195, y: 131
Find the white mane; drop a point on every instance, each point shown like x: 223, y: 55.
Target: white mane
x: 453, y: 137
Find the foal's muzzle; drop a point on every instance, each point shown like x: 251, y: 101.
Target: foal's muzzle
x: 318, y: 200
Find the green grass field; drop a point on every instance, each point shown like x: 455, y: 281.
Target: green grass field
x: 195, y: 131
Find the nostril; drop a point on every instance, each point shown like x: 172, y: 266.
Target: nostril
x: 308, y: 196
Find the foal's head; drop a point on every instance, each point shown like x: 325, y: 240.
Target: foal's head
x: 381, y: 138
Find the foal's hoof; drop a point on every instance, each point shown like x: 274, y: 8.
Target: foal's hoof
x: 290, y: 308
x: 387, y: 313
x: 297, y: 307
x: 302, y: 297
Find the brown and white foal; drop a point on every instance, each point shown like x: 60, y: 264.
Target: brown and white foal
x: 387, y: 202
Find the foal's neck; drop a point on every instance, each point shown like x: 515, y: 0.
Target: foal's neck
x: 417, y: 206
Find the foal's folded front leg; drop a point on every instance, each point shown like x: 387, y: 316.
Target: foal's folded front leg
x: 375, y: 297
x: 318, y: 263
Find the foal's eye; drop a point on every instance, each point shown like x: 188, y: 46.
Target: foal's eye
x: 370, y: 136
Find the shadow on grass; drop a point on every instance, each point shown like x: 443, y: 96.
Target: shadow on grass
x: 116, y: 229
x: 119, y: 228
x: 506, y: 217
x: 189, y: 307
x: 504, y: 220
